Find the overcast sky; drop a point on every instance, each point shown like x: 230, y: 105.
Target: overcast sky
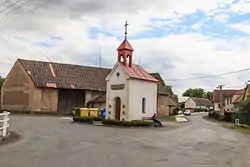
x: 177, y: 38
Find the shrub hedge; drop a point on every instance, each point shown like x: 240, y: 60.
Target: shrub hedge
x: 126, y: 123
x: 98, y: 119
x: 86, y: 119
x: 83, y: 119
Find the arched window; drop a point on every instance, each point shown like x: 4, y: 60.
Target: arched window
x: 143, y: 103
x: 121, y: 58
x: 128, y: 59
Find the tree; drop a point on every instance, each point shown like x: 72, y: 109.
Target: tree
x: 197, y: 92
x: 208, y: 95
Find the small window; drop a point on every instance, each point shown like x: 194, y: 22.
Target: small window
x: 218, y: 105
x: 143, y: 105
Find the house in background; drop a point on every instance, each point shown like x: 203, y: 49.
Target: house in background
x: 166, y: 102
x: 225, y: 93
x: 198, y: 103
x: 231, y: 100
x: 183, y: 99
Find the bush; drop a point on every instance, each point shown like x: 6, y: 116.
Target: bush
x: 98, y: 119
x: 83, y: 119
x: 111, y: 122
x: 197, y: 110
x: 214, y: 115
x: 126, y: 123
x: 141, y: 123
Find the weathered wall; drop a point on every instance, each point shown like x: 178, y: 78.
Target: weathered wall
x: 99, y: 105
x: 163, y: 106
x: 16, y: 90
x: 90, y: 95
x: 44, y: 100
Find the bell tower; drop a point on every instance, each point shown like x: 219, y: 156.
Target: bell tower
x: 125, y: 50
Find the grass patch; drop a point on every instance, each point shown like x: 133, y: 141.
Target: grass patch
x: 245, y: 129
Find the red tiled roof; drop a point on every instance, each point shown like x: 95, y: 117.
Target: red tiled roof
x: 66, y: 76
x: 202, y: 102
x: 69, y: 76
x: 125, y: 45
x: 239, y: 92
x: 137, y: 72
x: 225, y: 92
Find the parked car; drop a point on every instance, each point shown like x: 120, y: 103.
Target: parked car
x: 180, y: 112
x: 187, y: 112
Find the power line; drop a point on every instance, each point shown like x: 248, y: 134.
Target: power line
x: 4, y: 2
x: 210, y: 76
x: 8, y: 7
x: 17, y: 9
x: 29, y: 5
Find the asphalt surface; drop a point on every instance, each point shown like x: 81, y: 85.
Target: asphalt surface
x: 53, y: 141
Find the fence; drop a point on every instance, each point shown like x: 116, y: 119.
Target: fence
x: 4, y: 118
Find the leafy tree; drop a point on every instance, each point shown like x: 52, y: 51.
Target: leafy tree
x: 197, y: 92
x: 208, y: 95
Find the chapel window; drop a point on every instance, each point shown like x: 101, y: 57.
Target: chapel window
x: 143, y: 105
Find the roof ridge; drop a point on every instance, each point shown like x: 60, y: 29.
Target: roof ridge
x: 64, y: 64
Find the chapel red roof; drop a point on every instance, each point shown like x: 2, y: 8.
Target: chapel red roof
x: 137, y: 72
x: 125, y: 45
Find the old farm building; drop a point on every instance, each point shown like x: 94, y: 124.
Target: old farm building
x: 37, y: 86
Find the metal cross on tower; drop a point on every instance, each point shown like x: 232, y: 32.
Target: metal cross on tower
x: 126, y: 29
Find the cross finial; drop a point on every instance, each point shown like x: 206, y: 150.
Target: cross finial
x: 126, y: 29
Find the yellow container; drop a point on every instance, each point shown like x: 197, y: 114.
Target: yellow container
x: 93, y: 112
x: 84, y: 112
x: 89, y: 112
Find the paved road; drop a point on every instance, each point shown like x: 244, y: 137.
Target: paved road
x: 51, y: 142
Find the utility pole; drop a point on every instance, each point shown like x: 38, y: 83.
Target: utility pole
x: 100, y: 56
x: 221, y: 97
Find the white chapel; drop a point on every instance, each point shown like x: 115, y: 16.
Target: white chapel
x: 131, y: 91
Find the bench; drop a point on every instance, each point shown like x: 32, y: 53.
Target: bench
x: 155, y: 121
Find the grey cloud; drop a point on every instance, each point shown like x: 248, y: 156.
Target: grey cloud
x: 103, y: 6
x: 26, y: 18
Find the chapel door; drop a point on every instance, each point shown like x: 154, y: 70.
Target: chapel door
x: 117, y: 108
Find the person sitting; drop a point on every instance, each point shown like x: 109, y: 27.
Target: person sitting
x: 154, y: 118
